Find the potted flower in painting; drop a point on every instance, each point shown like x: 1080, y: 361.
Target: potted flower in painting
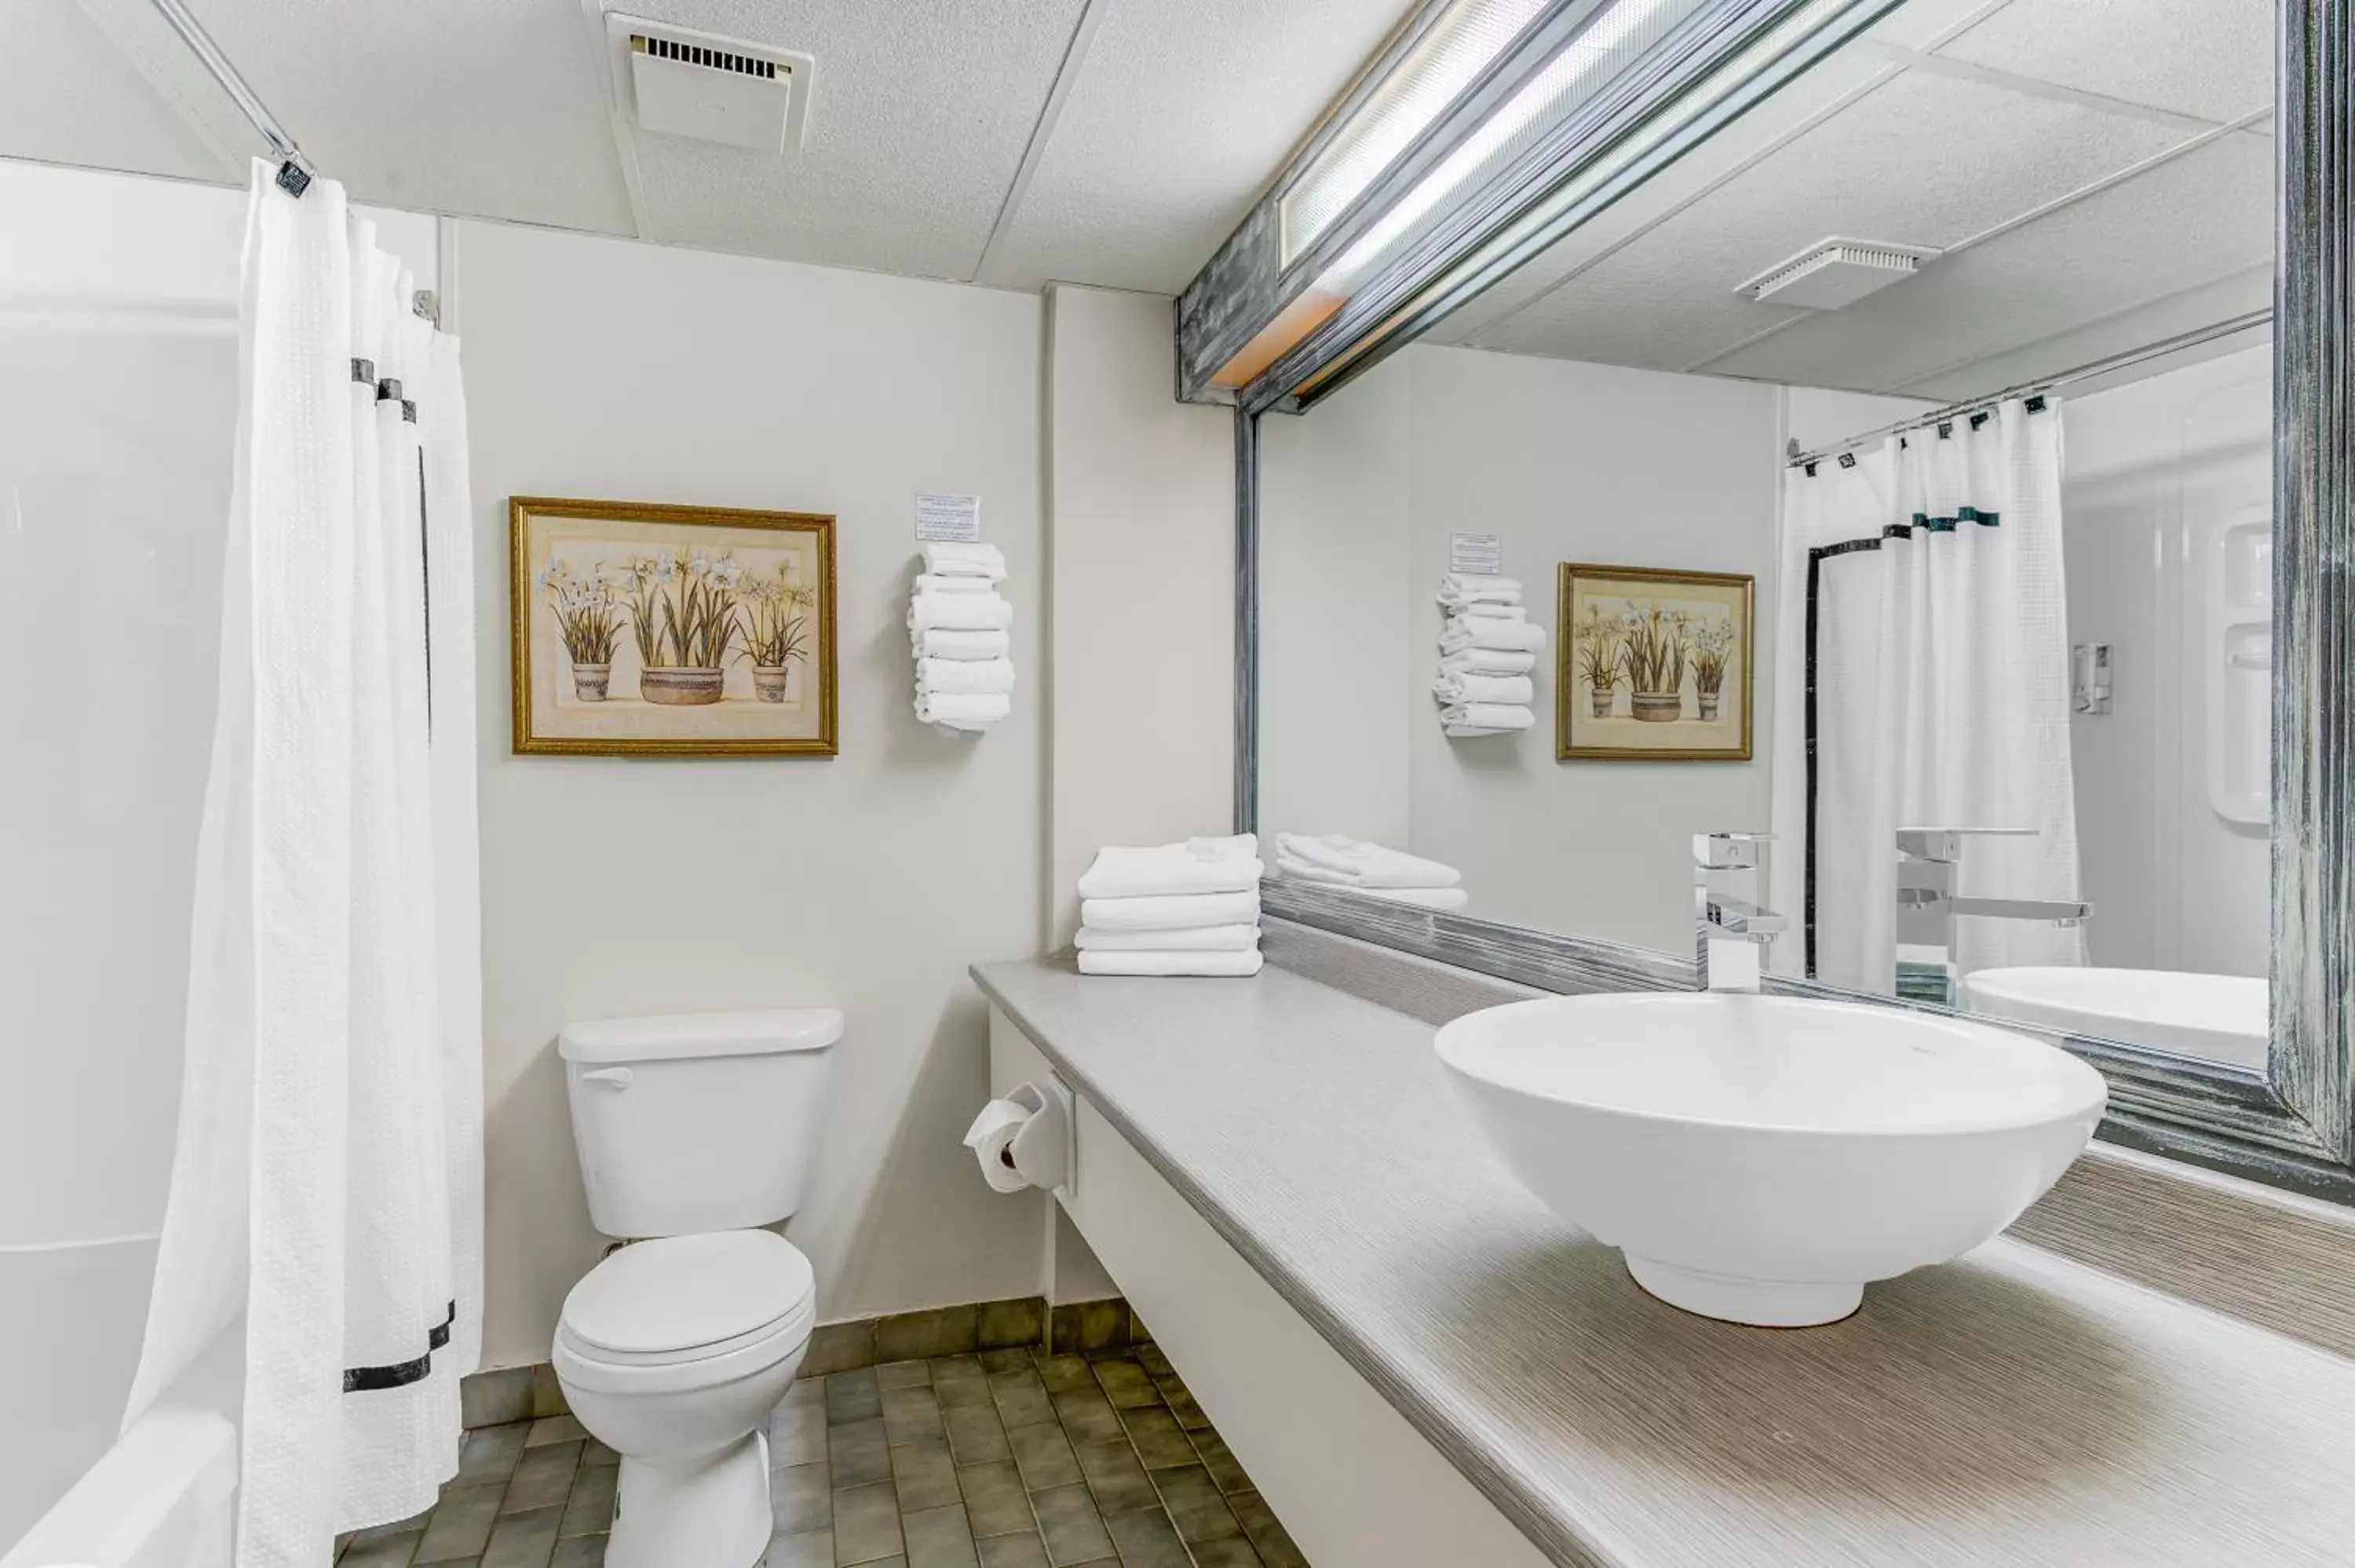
x: 1653, y: 659
x: 590, y: 624
x: 1712, y: 644
x: 1598, y: 659
x: 776, y: 630
x: 683, y: 611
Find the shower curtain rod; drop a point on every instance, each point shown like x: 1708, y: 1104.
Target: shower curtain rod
x: 2041, y: 385
x: 293, y: 168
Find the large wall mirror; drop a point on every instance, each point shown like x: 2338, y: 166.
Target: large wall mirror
x: 1892, y: 471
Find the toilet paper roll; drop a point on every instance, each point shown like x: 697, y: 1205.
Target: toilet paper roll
x: 990, y: 1138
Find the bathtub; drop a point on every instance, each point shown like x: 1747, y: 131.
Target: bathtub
x: 157, y: 1496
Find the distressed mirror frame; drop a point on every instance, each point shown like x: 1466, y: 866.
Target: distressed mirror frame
x: 2292, y: 1124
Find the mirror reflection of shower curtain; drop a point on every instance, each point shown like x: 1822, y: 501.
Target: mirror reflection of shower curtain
x: 326, y: 1176
x: 1925, y: 659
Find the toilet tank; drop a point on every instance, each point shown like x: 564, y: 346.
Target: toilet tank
x: 697, y: 1122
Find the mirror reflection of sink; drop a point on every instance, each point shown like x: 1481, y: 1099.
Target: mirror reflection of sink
x: 1761, y: 1158
x: 2218, y: 1018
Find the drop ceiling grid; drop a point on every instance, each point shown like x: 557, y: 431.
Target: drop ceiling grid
x: 2212, y: 59
x: 915, y: 130
x: 1179, y: 119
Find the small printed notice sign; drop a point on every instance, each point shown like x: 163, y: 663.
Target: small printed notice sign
x: 948, y: 518
x: 1481, y: 552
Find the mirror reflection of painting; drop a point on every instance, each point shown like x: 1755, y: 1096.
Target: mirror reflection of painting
x: 1655, y: 664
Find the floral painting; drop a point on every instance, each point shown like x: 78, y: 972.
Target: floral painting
x: 647, y: 630
x: 1656, y: 665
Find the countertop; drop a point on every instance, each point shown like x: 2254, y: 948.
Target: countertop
x: 2012, y: 1407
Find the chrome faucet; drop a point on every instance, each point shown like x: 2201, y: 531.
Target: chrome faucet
x: 1929, y: 864
x: 1728, y: 931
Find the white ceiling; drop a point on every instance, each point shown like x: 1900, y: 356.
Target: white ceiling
x: 2099, y: 174
x: 1005, y: 142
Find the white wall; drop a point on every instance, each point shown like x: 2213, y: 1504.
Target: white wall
x: 871, y: 881
x: 1142, y: 502
x: 1337, y: 668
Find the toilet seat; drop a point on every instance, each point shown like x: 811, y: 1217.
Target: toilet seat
x: 680, y: 1311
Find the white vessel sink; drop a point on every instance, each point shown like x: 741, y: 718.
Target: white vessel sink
x: 2218, y: 1018
x: 1761, y: 1158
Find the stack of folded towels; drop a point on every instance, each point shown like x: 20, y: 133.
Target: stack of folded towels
x: 1189, y: 908
x: 1333, y: 860
x: 1487, y: 646
x: 957, y: 624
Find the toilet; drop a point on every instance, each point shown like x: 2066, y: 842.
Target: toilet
x: 694, y: 1132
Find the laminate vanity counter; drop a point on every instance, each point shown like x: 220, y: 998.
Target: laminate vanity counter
x: 2011, y: 1407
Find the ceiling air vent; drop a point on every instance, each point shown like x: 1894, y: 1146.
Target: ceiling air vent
x: 1836, y: 272
x: 699, y: 85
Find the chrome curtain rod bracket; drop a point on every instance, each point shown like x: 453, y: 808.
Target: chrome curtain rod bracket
x: 2035, y: 391
x: 294, y: 170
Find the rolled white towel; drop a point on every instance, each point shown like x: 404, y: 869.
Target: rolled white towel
x: 1483, y: 609
x: 1464, y: 687
x: 962, y: 710
x: 958, y: 612
x: 940, y: 675
x: 1478, y: 588
x: 1172, y: 912
x: 948, y: 642
x: 1463, y: 719
x: 1139, y: 873
x: 1096, y: 961
x: 1487, y: 632
x: 1358, y: 863
x: 1234, y: 939
x: 1442, y: 898
x: 1487, y: 662
x: 929, y: 582
x: 954, y: 558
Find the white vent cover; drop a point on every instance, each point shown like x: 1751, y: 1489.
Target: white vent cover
x: 712, y: 88
x: 1836, y: 272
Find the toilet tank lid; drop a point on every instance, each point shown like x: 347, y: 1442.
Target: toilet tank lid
x: 681, y: 1035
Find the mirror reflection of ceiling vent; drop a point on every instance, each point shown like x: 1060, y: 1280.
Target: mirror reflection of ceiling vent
x: 711, y: 88
x: 1836, y: 272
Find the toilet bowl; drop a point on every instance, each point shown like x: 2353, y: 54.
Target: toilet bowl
x: 693, y: 1131
x: 673, y: 1352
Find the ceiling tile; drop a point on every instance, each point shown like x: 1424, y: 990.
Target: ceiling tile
x: 1918, y: 23
x: 68, y: 95
x: 915, y: 132
x: 2191, y: 221
x: 2208, y: 58
x: 437, y: 105
x: 1177, y: 121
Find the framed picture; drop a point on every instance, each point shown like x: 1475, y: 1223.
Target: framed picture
x: 646, y: 631
x: 1654, y: 665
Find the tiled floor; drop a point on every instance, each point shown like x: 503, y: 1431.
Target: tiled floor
x: 1007, y: 1459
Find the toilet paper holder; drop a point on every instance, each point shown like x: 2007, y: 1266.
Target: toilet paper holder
x: 1041, y: 1151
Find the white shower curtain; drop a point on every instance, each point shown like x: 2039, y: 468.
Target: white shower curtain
x: 326, y: 1183
x: 1923, y: 651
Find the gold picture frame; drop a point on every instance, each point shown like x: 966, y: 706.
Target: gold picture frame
x: 716, y: 628
x: 1692, y: 636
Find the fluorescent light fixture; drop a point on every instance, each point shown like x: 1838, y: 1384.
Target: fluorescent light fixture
x: 1461, y: 43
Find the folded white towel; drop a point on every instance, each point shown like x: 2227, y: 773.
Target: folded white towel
x: 1422, y: 897
x: 1232, y: 846
x: 1185, y: 940
x: 1355, y: 862
x: 937, y: 676
x: 1095, y: 961
x: 952, y: 558
x: 1176, y: 912
x: 1124, y: 873
x: 1486, y: 631
x: 1465, y: 687
x: 1481, y: 610
x: 1463, y: 719
x: 962, y: 710
x: 1487, y: 662
x: 958, y: 612
x: 928, y: 582
x: 947, y: 642
x: 1477, y: 587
